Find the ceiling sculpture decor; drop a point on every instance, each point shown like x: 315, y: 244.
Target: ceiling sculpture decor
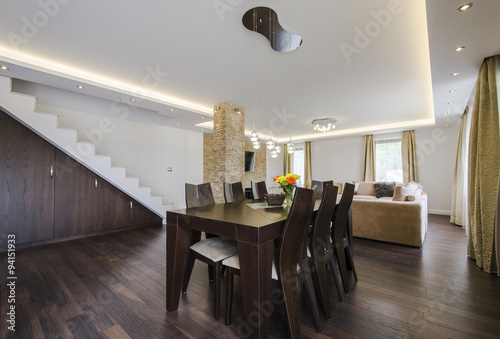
x: 264, y: 20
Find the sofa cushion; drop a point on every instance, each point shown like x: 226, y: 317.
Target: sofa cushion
x: 401, y: 192
x: 366, y: 188
x: 384, y: 189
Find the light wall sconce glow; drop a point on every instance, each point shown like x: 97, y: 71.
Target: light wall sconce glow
x: 465, y: 7
x: 459, y: 48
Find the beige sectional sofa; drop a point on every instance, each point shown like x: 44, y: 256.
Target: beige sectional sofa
x: 400, y: 218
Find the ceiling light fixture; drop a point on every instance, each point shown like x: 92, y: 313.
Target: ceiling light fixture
x: 289, y: 147
x: 451, y: 91
x: 324, y: 125
x: 80, y: 87
x: 455, y: 74
x: 5, y: 68
x: 133, y: 100
x: 465, y: 7
x: 450, y: 103
x: 459, y: 48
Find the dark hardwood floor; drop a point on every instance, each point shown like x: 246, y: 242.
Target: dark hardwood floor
x: 113, y: 286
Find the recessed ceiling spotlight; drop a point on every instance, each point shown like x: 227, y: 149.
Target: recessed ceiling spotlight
x: 171, y: 110
x: 132, y: 99
x: 448, y: 112
x: 447, y: 119
x: 465, y: 7
x: 447, y: 125
x: 459, y: 48
x: 455, y: 74
x: 80, y: 87
x: 203, y: 117
x: 5, y: 68
x: 450, y: 103
x: 451, y: 91
x: 178, y: 124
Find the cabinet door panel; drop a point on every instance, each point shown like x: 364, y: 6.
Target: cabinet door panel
x: 76, y: 198
x: 26, y: 187
x: 141, y: 215
x: 114, y: 207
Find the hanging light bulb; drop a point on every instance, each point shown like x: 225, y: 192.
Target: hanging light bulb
x: 270, y: 143
x: 256, y: 144
x: 277, y: 148
x: 274, y: 154
x: 289, y: 147
x: 254, y: 136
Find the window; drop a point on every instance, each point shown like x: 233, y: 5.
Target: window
x: 298, y: 158
x: 388, y: 162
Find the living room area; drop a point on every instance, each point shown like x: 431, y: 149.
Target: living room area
x: 103, y: 124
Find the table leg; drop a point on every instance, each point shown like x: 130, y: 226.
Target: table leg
x: 255, y: 270
x: 178, y: 241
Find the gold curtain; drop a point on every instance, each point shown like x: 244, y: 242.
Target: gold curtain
x: 307, y: 165
x: 287, y: 162
x: 409, y: 156
x: 459, y: 195
x: 369, y: 167
x: 484, y: 152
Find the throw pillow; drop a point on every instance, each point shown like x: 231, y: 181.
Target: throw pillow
x: 398, y: 195
x: 366, y: 188
x: 384, y: 189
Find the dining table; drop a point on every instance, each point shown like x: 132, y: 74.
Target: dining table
x: 254, y: 226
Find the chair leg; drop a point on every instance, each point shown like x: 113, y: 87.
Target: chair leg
x: 229, y: 294
x: 187, y: 273
x: 351, y: 261
x: 321, y: 273
x: 335, y: 275
x: 216, y: 273
x: 308, y: 283
x: 210, y: 274
x: 339, y: 251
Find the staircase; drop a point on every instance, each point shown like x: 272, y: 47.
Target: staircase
x: 22, y: 107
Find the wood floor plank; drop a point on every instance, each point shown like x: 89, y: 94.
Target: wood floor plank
x: 113, y: 286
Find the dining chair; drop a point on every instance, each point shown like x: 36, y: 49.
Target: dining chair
x: 285, y: 266
x: 211, y: 250
x: 341, y: 244
x: 234, y: 192
x: 321, y: 254
x: 258, y: 189
x: 318, y: 193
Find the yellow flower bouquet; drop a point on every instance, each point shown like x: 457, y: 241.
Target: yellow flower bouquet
x: 287, y: 183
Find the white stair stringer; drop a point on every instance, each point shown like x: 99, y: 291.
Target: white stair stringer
x: 22, y: 107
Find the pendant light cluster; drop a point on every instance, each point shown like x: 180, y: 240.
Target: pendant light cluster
x: 254, y: 137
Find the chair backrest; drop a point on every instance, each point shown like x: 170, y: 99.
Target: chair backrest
x: 234, y: 192
x: 259, y: 189
x: 293, y: 234
x: 323, y: 219
x: 318, y: 193
x: 342, y: 211
x: 199, y: 195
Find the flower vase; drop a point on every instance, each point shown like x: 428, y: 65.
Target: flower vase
x: 288, y: 195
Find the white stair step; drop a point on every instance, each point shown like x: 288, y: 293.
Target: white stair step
x: 46, y: 124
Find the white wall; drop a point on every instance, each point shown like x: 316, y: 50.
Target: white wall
x: 342, y: 160
x: 134, y: 138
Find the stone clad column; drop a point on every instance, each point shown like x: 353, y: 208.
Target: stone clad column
x: 224, y: 152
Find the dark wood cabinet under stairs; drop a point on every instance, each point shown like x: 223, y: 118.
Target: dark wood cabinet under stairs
x: 47, y: 196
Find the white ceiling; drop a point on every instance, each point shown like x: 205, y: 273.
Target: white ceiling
x: 180, y: 58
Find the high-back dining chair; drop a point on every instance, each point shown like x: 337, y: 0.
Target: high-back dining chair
x: 321, y: 252
x: 259, y: 189
x: 318, y: 192
x: 211, y: 250
x: 285, y: 267
x: 234, y: 192
x: 341, y: 242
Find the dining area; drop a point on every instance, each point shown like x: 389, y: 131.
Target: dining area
x: 274, y: 249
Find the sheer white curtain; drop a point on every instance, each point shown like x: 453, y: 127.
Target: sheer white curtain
x: 459, y: 197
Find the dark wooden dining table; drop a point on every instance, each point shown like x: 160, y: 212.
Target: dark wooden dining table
x: 255, y: 228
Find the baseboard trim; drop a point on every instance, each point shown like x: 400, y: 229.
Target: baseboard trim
x: 439, y: 212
